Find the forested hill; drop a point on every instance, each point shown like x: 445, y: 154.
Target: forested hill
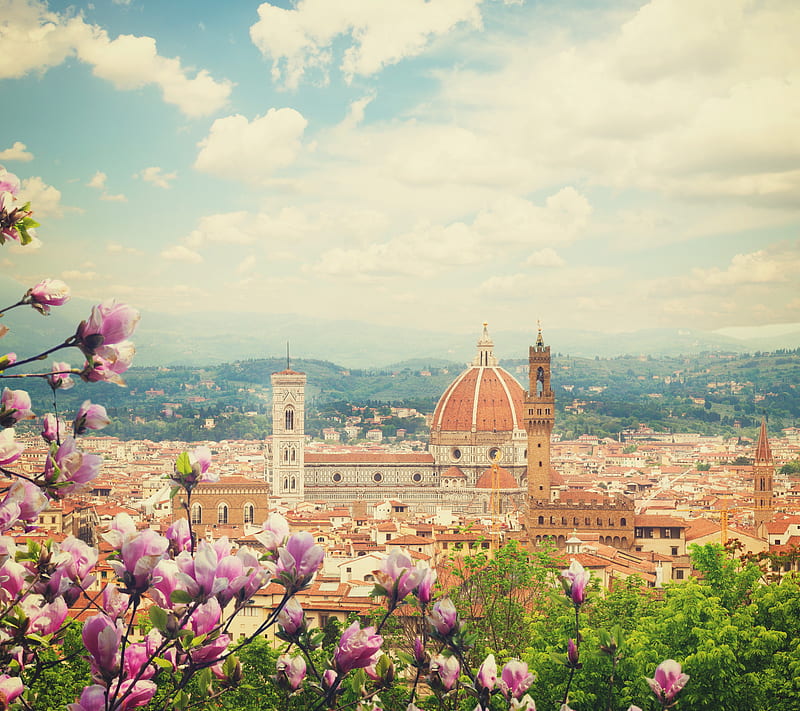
x: 708, y: 392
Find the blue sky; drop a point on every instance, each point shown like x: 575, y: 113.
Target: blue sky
x: 607, y: 166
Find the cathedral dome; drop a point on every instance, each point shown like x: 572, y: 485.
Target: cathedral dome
x: 505, y: 480
x: 484, y: 398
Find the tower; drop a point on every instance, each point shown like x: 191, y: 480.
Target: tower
x: 288, y: 435
x: 763, y: 470
x: 539, y: 416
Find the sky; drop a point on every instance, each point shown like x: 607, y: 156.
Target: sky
x: 597, y: 165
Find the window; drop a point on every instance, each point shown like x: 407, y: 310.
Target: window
x: 377, y: 477
x: 289, y: 418
x: 337, y: 477
x: 678, y: 575
x: 294, y: 482
x: 249, y: 513
x: 456, y: 454
x: 416, y: 477
x: 222, y: 513
x: 673, y: 550
x: 541, y: 520
x: 323, y: 620
x: 666, y: 533
x: 623, y: 522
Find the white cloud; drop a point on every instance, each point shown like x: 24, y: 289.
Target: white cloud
x: 78, y: 275
x: 98, y: 180
x: 761, y: 267
x: 179, y: 253
x: 118, y: 197
x: 246, y: 265
x: 17, y: 152
x: 156, y: 176
x: 35, y: 39
x: 546, y: 257
x: 380, y: 33
x: 115, y: 248
x: 252, y: 150
x: 45, y: 199
x: 430, y: 248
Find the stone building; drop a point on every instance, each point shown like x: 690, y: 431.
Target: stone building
x: 232, y: 502
x: 478, y: 419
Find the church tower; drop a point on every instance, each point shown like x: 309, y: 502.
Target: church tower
x: 288, y: 436
x: 763, y: 470
x: 539, y: 415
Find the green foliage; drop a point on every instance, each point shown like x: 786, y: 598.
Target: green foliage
x: 58, y: 676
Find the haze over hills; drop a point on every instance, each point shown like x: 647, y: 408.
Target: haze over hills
x: 210, y: 337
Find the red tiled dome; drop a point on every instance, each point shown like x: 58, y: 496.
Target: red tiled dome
x: 505, y: 480
x: 481, y: 399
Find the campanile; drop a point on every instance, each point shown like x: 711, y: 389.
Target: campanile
x: 539, y: 417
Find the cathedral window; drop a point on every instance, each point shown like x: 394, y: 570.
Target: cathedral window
x: 249, y: 513
x: 222, y: 513
x: 541, y: 520
x: 377, y: 477
x: 337, y: 477
x: 197, y: 513
x: 623, y: 522
x: 294, y: 483
x: 416, y: 477
x: 289, y: 418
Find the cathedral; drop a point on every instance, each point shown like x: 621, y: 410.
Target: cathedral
x: 489, y: 452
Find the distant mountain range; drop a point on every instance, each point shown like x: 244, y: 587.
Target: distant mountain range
x: 213, y: 338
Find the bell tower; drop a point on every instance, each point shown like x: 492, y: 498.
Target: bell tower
x: 763, y: 471
x: 288, y: 436
x: 539, y: 416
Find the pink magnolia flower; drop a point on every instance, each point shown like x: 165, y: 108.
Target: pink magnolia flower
x: 669, y: 680
x: 15, y: 405
x: 44, y: 619
x: 275, y: 532
x: 298, y: 561
x: 166, y: 580
x: 198, y: 573
x: 572, y: 655
x: 47, y: 293
x: 10, y: 450
x: 139, y: 556
x: 574, y: 580
x: 526, y: 703
x: 9, y: 183
x: 211, y: 651
x: 398, y: 576
x: 134, y: 694
x: 26, y: 499
x: 102, y: 636
x: 291, y: 619
x: 357, y: 648
x: 515, y: 679
x: 13, y: 578
x: 59, y: 377
x: 114, y: 602
x: 69, y: 468
x: 8, y: 359
x: 109, y: 323
x: 444, y: 618
x: 424, y: 591
x: 93, y: 698
x: 53, y: 430
x: 419, y: 652
x: 135, y: 661
x: 90, y: 417
x: 10, y: 688
x: 487, y: 673
x: 180, y: 536
x: 108, y: 363
x: 291, y: 671
x: 445, y: 671
x: 206, y: 617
